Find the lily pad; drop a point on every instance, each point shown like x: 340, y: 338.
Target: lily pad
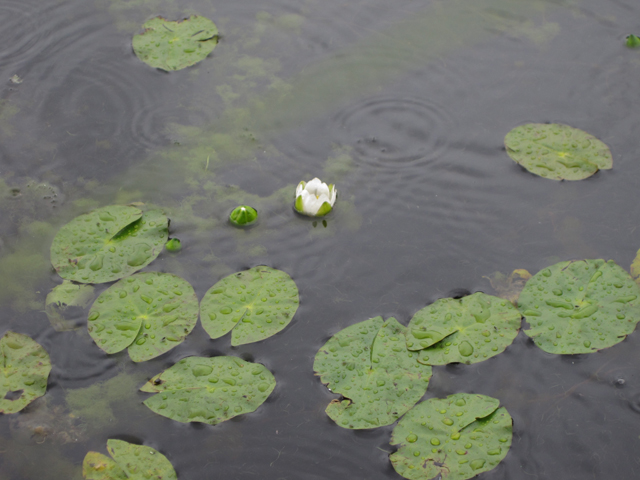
x: 209, y: 390
x: 175, y: 45
x: 108, y: 243
x: 511, y: 286
x: 149, y: 313
x: 62, y: 297
x: 557, y: 152
x: 25, y: 370
x: 454, y: 438
x: 466, y: 330
x: 134, y: 462
x: 254, y: 304
x: 580, y: 306
x: 369, y: 365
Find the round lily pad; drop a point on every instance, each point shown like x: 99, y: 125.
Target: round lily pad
x: 24, y: 373
x: 149, y: 313
x: 108, y: 243
x: 175, y: 45
x: 63, y: 296
x: 135, y: 462
x: 209, y: 390
x: 455, y: 438
x: 580, y: 306
x: 557, y: 151
x: 466, y: 330
x: 253, y: 304
x: 369, y: 365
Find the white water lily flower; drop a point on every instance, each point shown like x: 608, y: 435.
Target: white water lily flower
x: 315, y: 198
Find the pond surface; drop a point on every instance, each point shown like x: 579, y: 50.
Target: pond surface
x: 404, y: 105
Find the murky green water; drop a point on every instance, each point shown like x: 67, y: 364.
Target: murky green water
x: 404, y: 106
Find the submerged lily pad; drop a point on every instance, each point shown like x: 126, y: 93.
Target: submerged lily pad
x: 150, y: 313
x: 175, y: 45
x: 454, y: 438
x: 580, y: 306
x: 511, y: 286
x: 369, y: 365
x: 134, y: 462
x: 209, y: 390
x: 108, y: 243
x: 557, y: 151
x: 466, y: 330
x: 255, y: 304
x: 63, y: 296
x: 25, y: 370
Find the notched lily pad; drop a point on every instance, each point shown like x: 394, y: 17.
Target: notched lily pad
x: 454, y: 438
x: 466, y: 330
x: 557, y: 151
x: 148, y: 313
x: 369, y: 365
x: 134, y: 462
x: 175, y: 45
x: 253, y: 304
x: 25, y: 370
x: 209, y: 390
x: 580, y: 306
x: 108, y: 243
x: 62, y: 297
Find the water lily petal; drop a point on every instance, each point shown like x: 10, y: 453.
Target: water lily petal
x: 300, y: 187
x: 311, y: 204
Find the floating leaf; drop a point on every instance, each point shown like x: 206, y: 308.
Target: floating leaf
x: 108, y: 243
x: 135, y: 462
x: 175, y: 45
x: 369, y: 364
x: 63, y: 296
x: 25, y: 370
x: 466, y: 330
x: 209, y: 390
x: 556, y: 151
x: 453, y: 438
x: 255, y: 304
x: 150, y: 313
x: 580, y: 306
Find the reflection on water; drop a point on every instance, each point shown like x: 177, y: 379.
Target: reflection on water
x: 404, y: 106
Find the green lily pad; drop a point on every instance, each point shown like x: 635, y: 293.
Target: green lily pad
x: 108, y: 243
x: 580, y: 306
x: 466, y: 330
x: 254, y: 304
x: 557, y: 151
x: 134, y: 462
x: 175, y: 45
x: 149, y: 313
x: 63, y: 296
x: 455, y: 438
x: 369, y: 365
x: 25, y: 370
x: 209, y: 390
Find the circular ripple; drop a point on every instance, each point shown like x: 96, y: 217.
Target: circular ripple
x: 392, y: 131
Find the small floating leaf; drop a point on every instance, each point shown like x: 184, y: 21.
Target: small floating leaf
x: 580, y: 306
x: 129, y: 462
x: 369, y: 365
x: 455, y: 438
x: 108, y: 243
x: 63, y: 296
x: 209, y: 390
x: 174, y: 245
x: 557, y: 152
x: 150, y: 313
x: 175, y: 45
x: 24, y: 373
x: 466, y: 330
x: 255, y: 304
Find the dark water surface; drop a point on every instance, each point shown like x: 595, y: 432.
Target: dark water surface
x: 404, y: 105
